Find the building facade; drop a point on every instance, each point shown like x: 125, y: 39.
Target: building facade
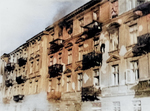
x: 94, y: 59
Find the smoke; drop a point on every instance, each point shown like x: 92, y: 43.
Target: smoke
x: 36, y: 102
x: 64, y: 7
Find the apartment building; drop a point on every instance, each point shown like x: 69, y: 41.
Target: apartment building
x: 94, y: 59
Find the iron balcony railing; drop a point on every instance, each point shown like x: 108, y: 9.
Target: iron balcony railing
x: 55, y: 70
x: 91, y: 59
x: 90, y: 93
x: 143, y: 45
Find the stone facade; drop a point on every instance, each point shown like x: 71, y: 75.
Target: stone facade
x: 96, y: 59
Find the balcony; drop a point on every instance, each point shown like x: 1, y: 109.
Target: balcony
x: 142, y: 45
x: 90, y: 93
x: 17, y: 98
x: 55, y: 70
x: 91, y: 59
x: 9, y: 82
x: 20, y: 79
x: 55, y: 46
x: 54, y: 95
x: 9, y: 67
x: 143, y: 9
x: 92, y: 29
x: 22, y: 61
x: 142, y: 89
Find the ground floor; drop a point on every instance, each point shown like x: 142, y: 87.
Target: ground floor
x: 72, y: 102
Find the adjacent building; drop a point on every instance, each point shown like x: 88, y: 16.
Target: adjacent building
x: 94, y: 59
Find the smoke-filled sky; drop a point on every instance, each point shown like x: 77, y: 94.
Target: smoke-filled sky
x: 22, y: 19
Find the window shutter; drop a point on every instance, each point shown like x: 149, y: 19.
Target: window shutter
x: 122, y: 6
x: 130, y: 76
x: 143, y: 67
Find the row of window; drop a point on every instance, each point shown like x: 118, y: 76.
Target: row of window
x: 33, y: 88
x: 79, y: 81
x: 136, y: 105
x: 131, y: 74
x: 80, y: 54
x: 36, y: 66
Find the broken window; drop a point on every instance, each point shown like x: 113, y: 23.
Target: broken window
x: 132, y: 74
x: 69, y: 56
x: 69, y: 27
x: 30, y: 87
x: 114, y: 40
x: 60, y: 58
x: 52, y: 36
x: 80, y: 80
x: 137, y: 105
x: 113, y: 30
x: 36, y: 86
x: 37, y: 65
x: 58, y: 84
x: 135, y: 69
x: 31, y: 67
x: 116, y: 106
x: 49, y: 85
x: 60, y: 32
x: 95, y: 15
x: 51, y: 61
x: 115, y: 74
x: 68, y: 83
x: 22, y: 89
x: 96, y: 45
x: 133, y: 33
x: 96, y: 77
x: 114, y: 10
x: 81, y: 22
x: 80, y: 52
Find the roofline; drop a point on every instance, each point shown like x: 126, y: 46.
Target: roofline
x: 37, y: 35
x: 77, y: 11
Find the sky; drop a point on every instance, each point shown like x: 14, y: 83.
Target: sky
x: 20, y: 20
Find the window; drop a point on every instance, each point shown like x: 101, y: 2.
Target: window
x: 31, y: 67
x: 59, y: 58
x: 18, y: 91
x: 80, y: 76
x: 96, y: 77
x: 36, y: 86
x: 114, y: 10
x: 37, y: 65
x: 69, y: 56
x: 68, y: 83
x: 96, y: 45
x: 140, y: 2
x: 131, y: 4
x: 58, y: 84
x: 22, y: 89
x: 81, y: 22
x: 49, y: 85
x: 116, y: 106
x: 133, y: 33
x: 114, y: 38
x: 51, y: 60
x: 132, y: 74
x: 137, y: 105
x: 52, y: 35
x: 115, y: 74
x: 95, y: 15
x: 80, y: 52
x: 135, y: 69
x: 30, y: 87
